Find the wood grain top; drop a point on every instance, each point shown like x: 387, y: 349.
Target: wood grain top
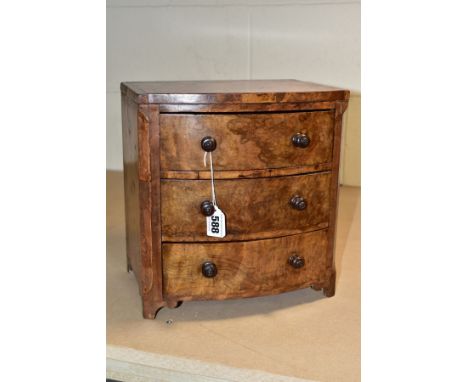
x: 242, y: 91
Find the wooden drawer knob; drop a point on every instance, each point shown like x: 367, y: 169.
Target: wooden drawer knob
x: 208, y: 144
x: 209, y: 269
x: 300, y: 140
x: 207, y: 208
x: 296, y: 261
x: 298, y: 202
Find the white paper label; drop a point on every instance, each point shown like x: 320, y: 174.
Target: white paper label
x: 216, y: 224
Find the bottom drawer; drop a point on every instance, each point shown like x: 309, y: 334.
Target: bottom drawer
x: 244, y: 269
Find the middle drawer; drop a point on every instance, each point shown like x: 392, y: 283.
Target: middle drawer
x: 254, y: 208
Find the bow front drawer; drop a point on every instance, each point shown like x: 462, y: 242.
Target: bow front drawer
x: 246, y: 141
x: 254, y: 208
x: 243, y: 269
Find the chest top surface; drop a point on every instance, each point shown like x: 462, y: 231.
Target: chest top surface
x: 240, y: 91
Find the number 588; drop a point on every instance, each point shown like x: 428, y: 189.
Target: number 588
x: 215, y: 224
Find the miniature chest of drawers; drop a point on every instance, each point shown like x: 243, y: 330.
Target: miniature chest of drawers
x: 275, y: 148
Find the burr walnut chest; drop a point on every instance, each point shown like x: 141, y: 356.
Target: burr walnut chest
x: 230, y: 188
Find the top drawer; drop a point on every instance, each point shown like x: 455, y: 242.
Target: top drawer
x: 245, y: 141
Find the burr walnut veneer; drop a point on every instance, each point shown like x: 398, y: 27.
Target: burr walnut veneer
x: 276, y: 148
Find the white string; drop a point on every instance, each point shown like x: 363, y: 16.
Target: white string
x: 213, y: 195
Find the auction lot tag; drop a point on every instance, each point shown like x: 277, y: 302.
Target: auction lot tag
x: 216, y: 224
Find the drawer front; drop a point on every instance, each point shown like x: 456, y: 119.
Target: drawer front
x: 244, y: 269
x: 254, y: 208
x: 245, y: 141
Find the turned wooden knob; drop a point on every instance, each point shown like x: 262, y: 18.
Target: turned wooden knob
x: 298, y: 202
x: 209, y: 269
x: 300, y: 140
x: 296, y: 261
x: 208, y: 144
x: 207, y: 208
